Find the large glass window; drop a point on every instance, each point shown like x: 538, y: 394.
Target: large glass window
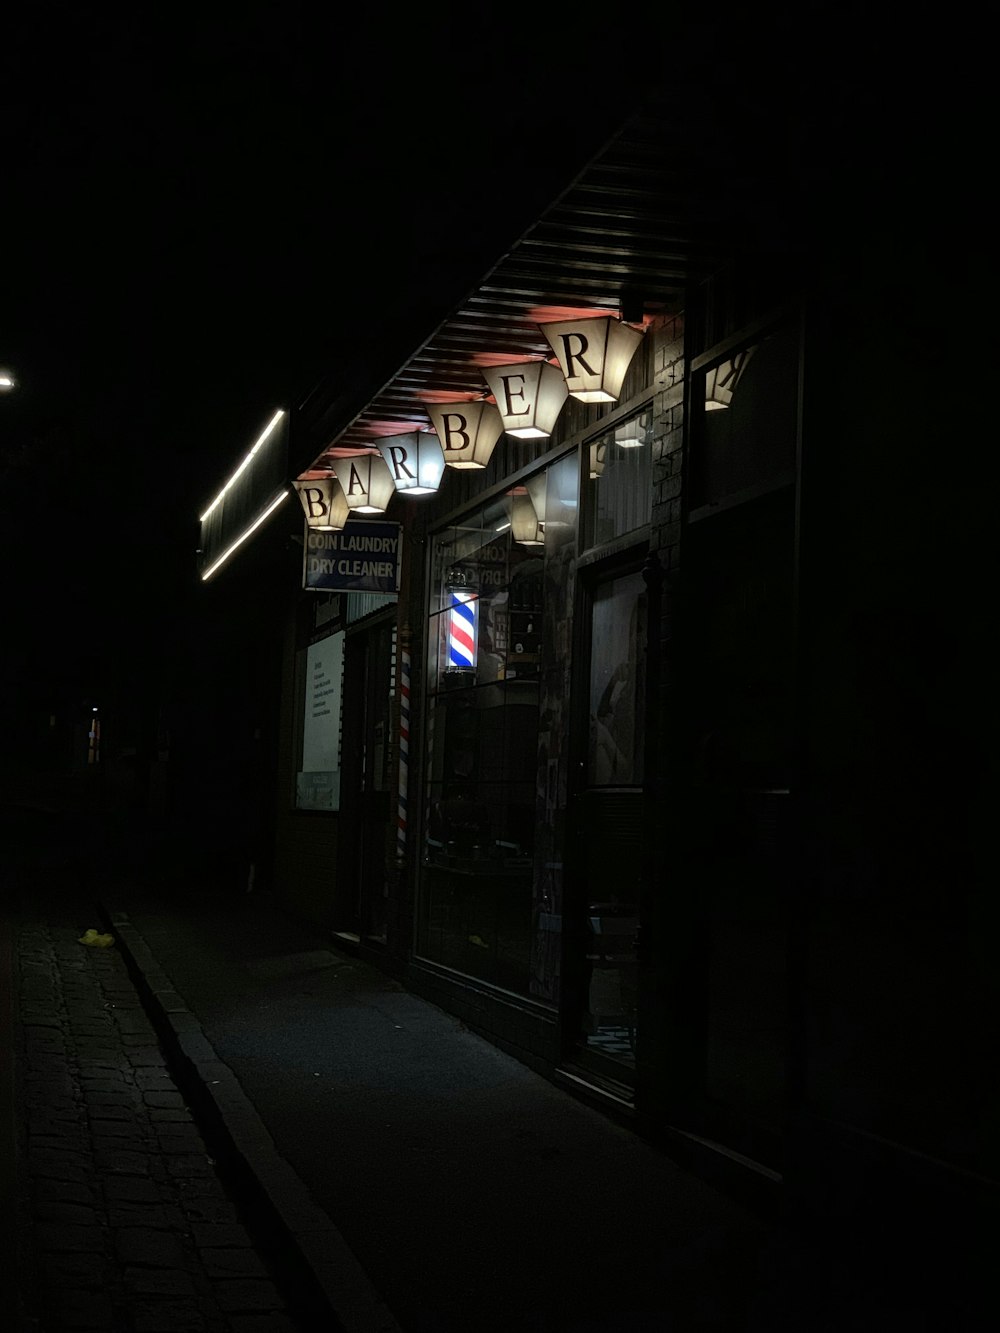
x: 490, y: 645
x: 743, y: 439
x: 617, y: 683
x: 619, y: 469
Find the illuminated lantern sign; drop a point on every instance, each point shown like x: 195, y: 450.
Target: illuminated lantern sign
x: 530, y: 396
x: 594, y: 355
x: 323, y: 503
x: 366, y: 481
x: 467, y: 432
x: 415, y: 461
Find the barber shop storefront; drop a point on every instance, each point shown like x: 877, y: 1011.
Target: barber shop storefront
x: 571, y: 731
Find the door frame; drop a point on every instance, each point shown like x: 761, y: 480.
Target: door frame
x: 365, y: 807
x: 627, y: 556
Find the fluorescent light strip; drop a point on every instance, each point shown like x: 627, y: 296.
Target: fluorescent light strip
x: 240, y: 540
x: 270, y: 427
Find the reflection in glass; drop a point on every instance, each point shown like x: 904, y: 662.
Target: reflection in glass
x: 619, y: 493
x: 745, y: 439
x: 616, y: 683
x: 487, y: 642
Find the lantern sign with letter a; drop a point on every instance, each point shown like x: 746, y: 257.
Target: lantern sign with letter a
x: 468, y: 432
x: 367, y: 482
x: 594, y: 355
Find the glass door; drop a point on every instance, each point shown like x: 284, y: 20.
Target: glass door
x: 365, y: 801
x: 609, y: 825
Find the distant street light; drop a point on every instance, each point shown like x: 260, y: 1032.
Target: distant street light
x: 7, y: 381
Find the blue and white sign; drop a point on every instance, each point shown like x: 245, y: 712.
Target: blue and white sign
x: 363, y: 556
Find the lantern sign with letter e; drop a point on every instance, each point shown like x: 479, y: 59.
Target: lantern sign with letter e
x: 324, y: 504
x: 366, y: 481
x: 530, y: 395
x: 467, y: 432
x: 415, y: 461
x: 594, y: 355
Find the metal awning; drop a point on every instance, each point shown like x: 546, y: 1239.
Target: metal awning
x: 639, y: 224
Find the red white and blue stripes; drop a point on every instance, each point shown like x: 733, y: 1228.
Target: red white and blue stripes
x: 404, y: 751
x: 462, y: 629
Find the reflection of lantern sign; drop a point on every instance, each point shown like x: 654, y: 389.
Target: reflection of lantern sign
x: 462, y: 630
x: 721, y: 382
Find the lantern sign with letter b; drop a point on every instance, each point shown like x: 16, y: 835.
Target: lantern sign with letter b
x: 468, y: 432
x: 323, y: 503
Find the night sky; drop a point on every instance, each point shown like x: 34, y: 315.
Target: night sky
x: 200, y: 216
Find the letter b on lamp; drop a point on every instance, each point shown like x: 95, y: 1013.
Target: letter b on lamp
x: 468, y: 432
x: 323, y: 503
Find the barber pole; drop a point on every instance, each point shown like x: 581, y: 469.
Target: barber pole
x: 462, y: 630
x: 404, y: 751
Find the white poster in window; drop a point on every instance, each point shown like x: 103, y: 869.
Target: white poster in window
x: 319, y: 778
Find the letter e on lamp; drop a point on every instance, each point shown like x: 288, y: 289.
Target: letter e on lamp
x: 366, y: 481
x: 324, y: 504
x: 467, y: 432
x: 594, y: 355
x: 415, y: 461
x: 530, y: 395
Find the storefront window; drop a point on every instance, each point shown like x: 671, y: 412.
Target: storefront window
x: 619, y: 496
x: 490, y: 644
x: 617, y: 683
x: 743, y: 439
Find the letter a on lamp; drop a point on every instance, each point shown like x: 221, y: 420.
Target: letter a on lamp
x: 367, y: 482
x: 594, y: 355
x: 467, y: 432
x: 324, y: 504
x: 415, y: 461
x: 530, y: 396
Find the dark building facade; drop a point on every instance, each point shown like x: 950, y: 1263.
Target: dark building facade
x: 666, y: 765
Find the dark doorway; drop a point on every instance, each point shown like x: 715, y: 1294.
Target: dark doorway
x: 603, y: 1014
x: 366, y: 804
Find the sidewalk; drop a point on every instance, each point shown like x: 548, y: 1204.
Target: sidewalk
x: 375, y: 1167
x: 433, y: 1184
x: 117, y: 1216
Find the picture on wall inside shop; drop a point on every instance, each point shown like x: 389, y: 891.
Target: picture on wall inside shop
x: 318, y: 781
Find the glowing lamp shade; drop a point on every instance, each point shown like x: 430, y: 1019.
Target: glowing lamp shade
x: 721, y: 381
x: 415, y: 461
x: 366, y: 481
x: 324, y: 504
x: 530, y: 395
x: 467, y: 432
x: 594, y: 355
x: 525, y: 527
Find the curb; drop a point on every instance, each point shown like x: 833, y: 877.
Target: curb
x: 330, y: 1284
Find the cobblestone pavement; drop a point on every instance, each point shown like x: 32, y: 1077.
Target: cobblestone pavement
x: 125, y: 1223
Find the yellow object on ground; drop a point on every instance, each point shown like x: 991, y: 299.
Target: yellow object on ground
x: 96, y: 940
